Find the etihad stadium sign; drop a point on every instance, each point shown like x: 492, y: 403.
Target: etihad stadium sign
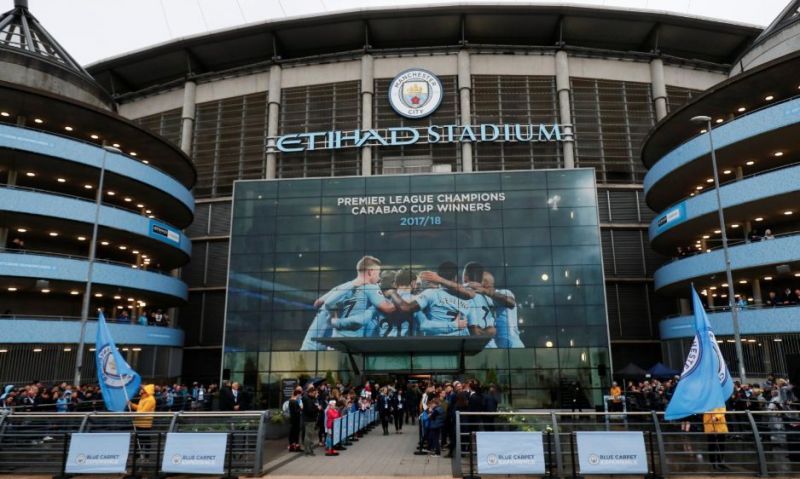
x: 403, y: 135
x: 415, y: 94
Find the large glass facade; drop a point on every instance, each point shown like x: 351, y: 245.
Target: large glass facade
x: 530, y: 238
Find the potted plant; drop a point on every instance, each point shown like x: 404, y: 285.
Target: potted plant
x: 277, y: 426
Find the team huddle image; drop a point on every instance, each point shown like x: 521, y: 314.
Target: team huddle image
x: 384, y: 303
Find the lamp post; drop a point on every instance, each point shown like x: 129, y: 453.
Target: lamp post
x: 87, y: 293
x: 728, y: 273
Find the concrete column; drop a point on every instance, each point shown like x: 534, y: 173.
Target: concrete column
x: 273, y: 117
x: 710, y: 299
x: 367, y: 92
x: 739, y: 173
x: 686, y: 307
x: 564, y: 111
x: 658, y: 87
x: 188, y: 116
x: 464, y: 89
x: 757, y: 299
x: 11, y: 181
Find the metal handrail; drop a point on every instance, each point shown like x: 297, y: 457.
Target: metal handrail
x: 82, y: 258
x: 724, y: 309
x: 755, y: 442
x: 75, y: 197
x: 731, y: 244
x: 691, y: 138
x: 735, y: 180
x: 13, y: 317
x: 89, y: 143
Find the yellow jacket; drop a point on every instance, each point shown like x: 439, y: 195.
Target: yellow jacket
x: 147, y: 404
x: 714, y: 421
x: 616, y: 392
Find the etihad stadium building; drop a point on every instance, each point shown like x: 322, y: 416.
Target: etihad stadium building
x: 427, y: 109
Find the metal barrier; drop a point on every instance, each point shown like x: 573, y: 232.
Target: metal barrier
x: 37, y: 443
x: 758, y: 443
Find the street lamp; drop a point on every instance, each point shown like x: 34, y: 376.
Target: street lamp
x: 731, y: 299
x: 90, y: 268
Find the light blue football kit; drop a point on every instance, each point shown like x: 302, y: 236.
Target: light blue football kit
x: 439, y: 311
x: 320, y: 327
x: 355, y: 309
x: 482, y: 314
x: 507, y: 324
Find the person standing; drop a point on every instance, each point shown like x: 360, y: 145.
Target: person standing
x: 231, y: 398
x: 398, y: 409
x: 616, y: 397
x: 715, y: 427
x: 412, y: 405
x: 310, y: 413
x: 143, y: 421
x: 331, y: 415
x: 384, y: 409
x: 295, y: 419
x: 435, y: 423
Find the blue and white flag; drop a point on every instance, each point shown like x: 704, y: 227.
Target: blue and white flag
x: 117, y: 379
x: 705, y: 383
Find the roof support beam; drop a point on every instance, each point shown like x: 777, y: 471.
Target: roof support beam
x: 5, y: 21
x: 367, y: 46
x: 650, y: 43
x: 558, y: 40
x: 26, y: 32
x: 193, y: 64
x: 275, y: 50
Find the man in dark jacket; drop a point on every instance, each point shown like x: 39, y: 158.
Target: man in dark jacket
x: 310, y: 414
x: 399, y: 406
x: 231, y: 398
x: 385, y: 409
x: 435, y: 424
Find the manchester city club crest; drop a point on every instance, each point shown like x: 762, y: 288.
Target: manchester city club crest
x: 415, y: 93
x: 111, y: 375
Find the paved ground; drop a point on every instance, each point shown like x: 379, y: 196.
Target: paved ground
x: 374, y: 455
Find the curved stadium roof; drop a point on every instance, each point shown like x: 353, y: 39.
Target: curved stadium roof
x: 591, y: 30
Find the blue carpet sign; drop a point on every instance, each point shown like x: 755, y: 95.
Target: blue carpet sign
x: 618, y: 452
x: 98, y: 453
x: 337, y: 430
x: 510, y: 453
x: 195, y: 453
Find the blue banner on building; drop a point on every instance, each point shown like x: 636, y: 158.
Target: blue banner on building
x: 671, y: 217
x: 98, y: 453
x: 510, y: 453
x: 163, y: 232
x: 195, y: 453
x: 618, y: 452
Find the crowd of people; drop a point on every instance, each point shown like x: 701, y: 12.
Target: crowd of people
x: 651, y: 394
x: 430, y: 407
x: 156, y: 317
x: 774, y: 394
x: 64, y: 397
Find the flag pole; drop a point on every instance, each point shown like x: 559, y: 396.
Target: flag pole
x: 130, y: 410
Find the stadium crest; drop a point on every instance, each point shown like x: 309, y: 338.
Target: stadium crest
x: 415, y: 93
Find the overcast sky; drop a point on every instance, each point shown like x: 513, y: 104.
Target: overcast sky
x: 92, y: 30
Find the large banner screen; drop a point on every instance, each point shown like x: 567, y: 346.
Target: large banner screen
x: 511, y: 257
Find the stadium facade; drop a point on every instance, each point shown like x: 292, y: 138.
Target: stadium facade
x: 755, y: 117
x: 61, y: 143
x: 239, y: 102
